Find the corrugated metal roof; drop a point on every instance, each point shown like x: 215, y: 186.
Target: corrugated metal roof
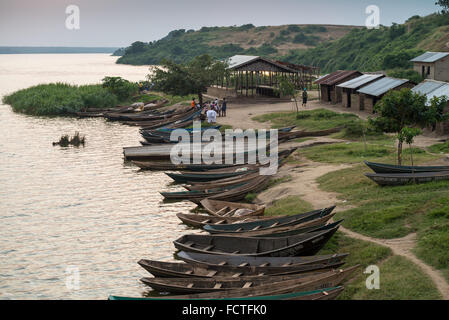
x: 440, y: 92
x: 336, y: 77
x: 427, y: 86
x: 238, y: 60
x: 382, y: 86
x: 430, y: 57
x: 360, y: 81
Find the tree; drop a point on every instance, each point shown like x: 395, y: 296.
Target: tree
x: 287, y: 88
x: 190, y: 78
x: 408, y: 135
x: 404, y: 108
x: 444, y: 4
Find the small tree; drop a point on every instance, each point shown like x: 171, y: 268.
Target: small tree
x: 400, y: 109
x: 191, y: 78
x: 287, y: 88
x: 444, y: 4
x: 408, y: 135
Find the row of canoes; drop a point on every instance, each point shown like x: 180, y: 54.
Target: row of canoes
x: 245, y: 265
x: 394, y: 175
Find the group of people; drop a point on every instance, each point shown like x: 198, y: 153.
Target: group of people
x: 211, y: 109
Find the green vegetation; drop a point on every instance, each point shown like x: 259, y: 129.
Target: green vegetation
x: 399, y: 278
x: 400, y: 110
x: 288, y: 206
x: 189, y: 78
x: 440, y: 147
x: 63, y: 99
x: 408, y: 74
x: 378, y: 49
x: 183, y: 45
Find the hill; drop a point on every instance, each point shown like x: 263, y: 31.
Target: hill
x: 222, y: 42
x: 386, y: 48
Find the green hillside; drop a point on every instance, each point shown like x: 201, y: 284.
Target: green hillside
x: 222, y: 42
x: 379, y: 49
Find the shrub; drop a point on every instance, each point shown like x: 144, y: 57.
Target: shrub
x: 122, y: 88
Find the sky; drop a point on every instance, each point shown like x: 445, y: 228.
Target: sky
x: 118, y: 23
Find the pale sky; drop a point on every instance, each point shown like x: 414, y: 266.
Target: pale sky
x: 118, y: 23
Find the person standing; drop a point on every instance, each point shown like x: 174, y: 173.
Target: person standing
x: 223, y: 108
x: 304, y: 98
x: 211, y: 116
x: 193, y: 103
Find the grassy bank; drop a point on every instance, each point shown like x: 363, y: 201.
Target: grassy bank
x: 399, y: 279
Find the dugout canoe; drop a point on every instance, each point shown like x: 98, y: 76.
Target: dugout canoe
x: 201, y: 220
x: 222, y: 183
x: 399, y: 179
x: 205, y: 260
x: 226, y: 208
x: 197, y: 196
x: 275, y: 222
x: 284, y: 137
x: 164, y: 269
x: 169, y: 166
x: 391, y: 168
x: 300, y: 245
x: 321, y: 294
x: 212, y: 175
x: 203, y: 285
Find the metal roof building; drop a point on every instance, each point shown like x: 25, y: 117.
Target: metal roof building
x: 258, y: 76
x: 360, y: 81
x: 439, y: 92
x: 329, y: 90
x: 432, y: 65
x: 427, y: 86
x: 430, y: 57
x: 382, y: 86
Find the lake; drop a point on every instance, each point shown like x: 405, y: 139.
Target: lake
x: 76, y: 213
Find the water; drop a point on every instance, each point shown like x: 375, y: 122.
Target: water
x: 65, y: 209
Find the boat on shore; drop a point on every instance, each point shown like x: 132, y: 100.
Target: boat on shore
x: 391, y: 168
x: 164, y: 269
x: 299, y: 245
x: 321, y: 294
x: 202, y: 259
x: 400, y: 179
x: 275, y: 222
x: 226, y: 208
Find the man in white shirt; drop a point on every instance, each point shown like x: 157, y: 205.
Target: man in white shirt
x: 211, y: 116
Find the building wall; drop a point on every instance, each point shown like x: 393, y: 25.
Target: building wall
x: 418, y: 68
x: 345, y: 99
x: 442, y: 69
x: 324, y: 96
x: 357, y: 101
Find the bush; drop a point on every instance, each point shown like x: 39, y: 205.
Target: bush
x: 60, y: 99
x: 122, y: 88
x: 409, y: 74
x: 293, y: 28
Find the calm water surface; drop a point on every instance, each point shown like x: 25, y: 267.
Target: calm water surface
x: 75, y: 207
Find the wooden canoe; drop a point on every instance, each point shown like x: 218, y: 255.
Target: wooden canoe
x: 222, y: 183
x: 321, y: 294
x: 229, y: 193
x: 164, y: 269
x: 391, y: 168
x: 196, y: 196
x: 169, y: 166
x: 205, y: 260
x: 212, y: 175
x: 399, y: 179
x: 275, y: 222
x: 201, y: 220
x: 284, y: 137
x: 226, y: 208
x: 201, y: 285
x: 301, y: 245
x: 314, y: 225
x: 328, y: 279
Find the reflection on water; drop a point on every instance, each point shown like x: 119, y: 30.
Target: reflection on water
x: 76, y: 207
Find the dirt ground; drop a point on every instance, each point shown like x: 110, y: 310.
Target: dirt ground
x: 303, y: 177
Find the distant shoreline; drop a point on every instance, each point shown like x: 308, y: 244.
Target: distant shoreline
x: 56, y: 50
